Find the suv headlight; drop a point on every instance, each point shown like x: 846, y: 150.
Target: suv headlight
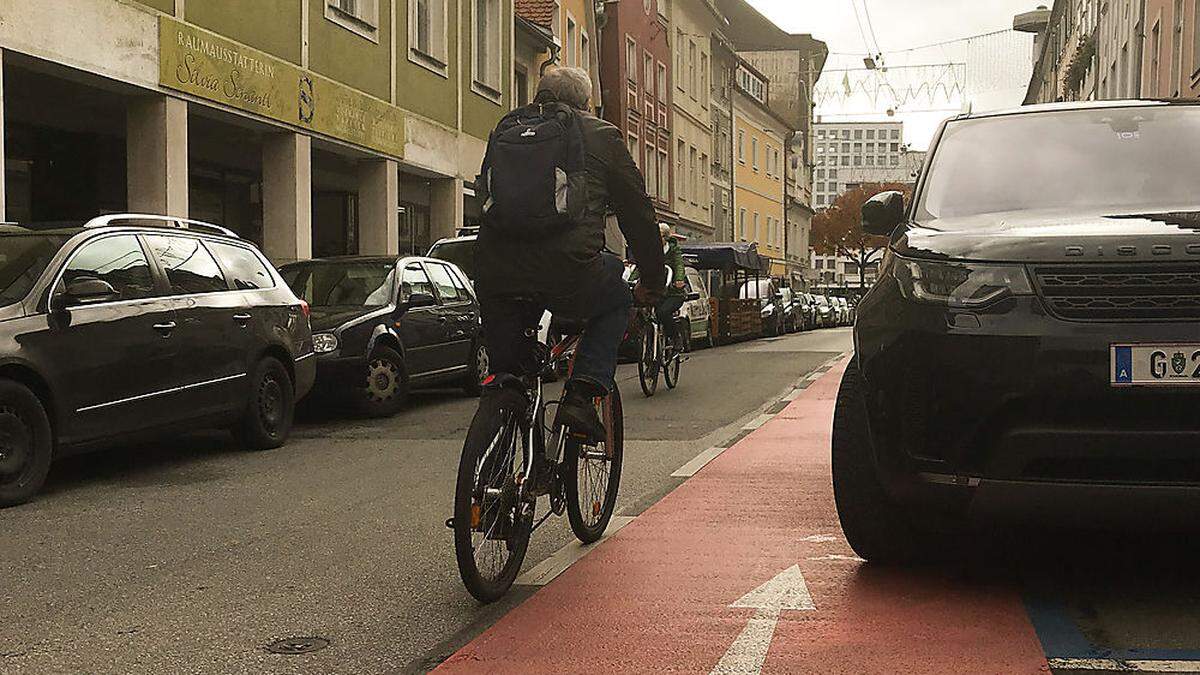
x: 323, y: 343
x: 960, y: 285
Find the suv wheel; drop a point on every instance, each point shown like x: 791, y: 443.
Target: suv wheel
x: 479, y: 368
x: 877, y: 529
x: 385, y: 387
x: 271, y: 408
x: 26, y: 444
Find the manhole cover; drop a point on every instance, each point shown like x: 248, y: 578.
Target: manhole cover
x: 298, y: 645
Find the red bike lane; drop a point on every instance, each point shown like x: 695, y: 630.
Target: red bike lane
x: 743, y: 569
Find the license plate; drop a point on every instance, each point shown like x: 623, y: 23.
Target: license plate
x: 1155, y: 365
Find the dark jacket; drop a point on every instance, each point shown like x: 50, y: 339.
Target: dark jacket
x: 556, y: 266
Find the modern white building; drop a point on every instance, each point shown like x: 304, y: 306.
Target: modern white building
x: 847, y: 153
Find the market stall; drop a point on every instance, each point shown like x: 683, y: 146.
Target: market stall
x: 733, y: 266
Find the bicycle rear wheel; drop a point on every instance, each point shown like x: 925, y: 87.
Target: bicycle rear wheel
x: 491, y: 525
x: 593, y: 474
x: 648, y: 363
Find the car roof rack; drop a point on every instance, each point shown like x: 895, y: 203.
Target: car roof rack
x: 169, y: 222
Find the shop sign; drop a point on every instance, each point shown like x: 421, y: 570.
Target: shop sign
x: 203, y: 64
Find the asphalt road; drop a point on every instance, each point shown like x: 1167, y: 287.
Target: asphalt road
x: 191, y: 555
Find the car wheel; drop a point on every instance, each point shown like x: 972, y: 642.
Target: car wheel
x: 385, y: 385
x: 271, y: 407
x: 479, y: 368
x: 26, y: 444
x: 878, y: 529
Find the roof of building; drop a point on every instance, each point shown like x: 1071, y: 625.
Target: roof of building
x: 538, y: 12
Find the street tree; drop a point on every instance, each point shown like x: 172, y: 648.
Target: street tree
x: 838, y: 229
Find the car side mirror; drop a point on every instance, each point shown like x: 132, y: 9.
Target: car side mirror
x: 418, y: 300
x: 83, y: 291
x: 694, y: 295
x: 883, y: 213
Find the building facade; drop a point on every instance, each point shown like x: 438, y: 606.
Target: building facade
x: 1171, y: 61
x: 724, y: 68
x: 635, y: 76
x: 694, y: 24
x: 1071, y: 50
x: 313, y: 127
x: 849, y: 153
x: 759, y: 166
x: 573, y: 42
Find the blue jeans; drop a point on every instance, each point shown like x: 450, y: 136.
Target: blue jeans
x: 601, y: 307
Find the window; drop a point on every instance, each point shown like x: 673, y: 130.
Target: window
x: 245, y: 269
x: 443, y: 281
x: 1176, y: 49
x: 1155, y: 53
x: 585, y: 53
x: 703, y: 176
x: 648, y: 74
x: 754, y: 152
x: 754, y: 232
x: 631, y: 60
x: 694, y: 174
x: 651, y: 171
x: 895, y: 134
x: 741, y: 146
x: 635, y: 149
x: 845, y: 134
x: 357, y: 16
x: 662, y: 82
x: 427, y: 34
x: 570, y: 47
x: 679, y: 58
x: 190, y: 267
x: 1195, y: 38
x: 664, y: 167
x: 858, y: 134
x: 118, y: 260
x: 704, y: 90
x: 414, y: 280
x: 742, y: 224
x: 692, y: 86
x: 870, y: 134
x: 833, y: 173
x: 681, y: 182
x: 486, y: 45
x: 520, y: 87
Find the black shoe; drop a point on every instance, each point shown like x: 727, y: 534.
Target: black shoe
x: 577, y: 413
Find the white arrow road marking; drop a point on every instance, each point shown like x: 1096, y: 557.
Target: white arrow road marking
x: 821, y: 538
x: 748, y: 652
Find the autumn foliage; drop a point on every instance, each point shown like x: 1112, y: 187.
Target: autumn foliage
x: 838, y: 229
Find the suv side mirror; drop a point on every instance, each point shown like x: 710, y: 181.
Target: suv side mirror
x: 83, y: 291
x: 417, y: 300
x: 883, y: 213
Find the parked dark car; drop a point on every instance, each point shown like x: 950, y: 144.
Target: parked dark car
x: 133, y: 326
x: 385, y: 325
x: 1031, y: 350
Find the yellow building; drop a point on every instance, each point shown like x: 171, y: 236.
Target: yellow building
x: 572, y: 27
x: 758, y: 169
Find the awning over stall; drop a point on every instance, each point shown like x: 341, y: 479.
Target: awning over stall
x: 728, y: 257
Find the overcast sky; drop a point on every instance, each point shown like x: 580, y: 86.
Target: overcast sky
x: 997, y: 67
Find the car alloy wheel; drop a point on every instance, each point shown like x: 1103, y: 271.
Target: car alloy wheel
x: 16, y: 444
x: 483, y: 363
x: 383, y: 380
x: 270, y: 405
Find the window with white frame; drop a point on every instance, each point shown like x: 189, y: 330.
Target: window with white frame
x: 485, y: 44
x: 704, y: 92
x: 754, y: 152
x: 692, y: 87
x: 651, y: 170
x: 631, y: 59
x: 662, y: 82
x: 754, y: 233
x: 648, y: 74
x: 742, y: 224
x: 634, y: 150
x: 585, y: 52
x: 694, y: 174
x: 680, y: 179
x: 741, y: 146
x: 427, y: 34
x: 358, y: 16
x: 664, y: 167
x: 703, y: 177
x: 572, y: 39
x: 679, y: 45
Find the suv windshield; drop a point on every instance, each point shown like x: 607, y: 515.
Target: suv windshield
x: 23, y: 258
x: 461, y: 252
x: 1121, y: 160
x: 342, y: 284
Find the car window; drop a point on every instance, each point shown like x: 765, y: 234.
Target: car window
x: 190, y: 267
x: 118, y: 260
x: 23, y: 258
x: 246, y: 270
x: 339, y: 283
x: 460, y: 284
x: 695, y: 283
x: 414, y: 280
x: 444, y: 281
x: 461, y: 252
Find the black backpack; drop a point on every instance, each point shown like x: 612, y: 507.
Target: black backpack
x: 533, y: 181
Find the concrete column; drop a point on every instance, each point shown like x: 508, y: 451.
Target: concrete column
x: 445, y: 207
x: 156, y: 147
x: 378, y: 201
x: 287, y: 197
x: 3, y: 161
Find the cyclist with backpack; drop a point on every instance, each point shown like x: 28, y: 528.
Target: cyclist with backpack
x: 551, y: 174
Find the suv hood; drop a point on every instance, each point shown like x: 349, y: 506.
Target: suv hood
x: 1041, y: 236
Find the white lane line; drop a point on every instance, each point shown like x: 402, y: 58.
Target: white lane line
x: 758, y: 422
x: 547, y: 570
x: 1131, y: 665
x: 698, y: 462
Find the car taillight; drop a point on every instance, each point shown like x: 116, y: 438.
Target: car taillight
x: 306, y: 309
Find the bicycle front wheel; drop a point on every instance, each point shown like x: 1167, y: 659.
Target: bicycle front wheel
x: 672, y: 366
x: 593, y: 474
x: 648, y: 363
x: 491, y: 525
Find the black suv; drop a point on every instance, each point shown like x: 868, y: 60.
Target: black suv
x: 382, y: 325
x: 133, y: 325
x: 1032, y: 348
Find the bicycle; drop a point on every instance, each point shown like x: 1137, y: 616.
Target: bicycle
x: 496, y: 494
x: 657, y: 354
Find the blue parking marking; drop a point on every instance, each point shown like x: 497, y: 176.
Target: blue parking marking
x: 1123, y: 359
x: 1062, y: 638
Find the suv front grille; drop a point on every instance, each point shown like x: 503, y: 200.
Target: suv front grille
x: 1168, y: 291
